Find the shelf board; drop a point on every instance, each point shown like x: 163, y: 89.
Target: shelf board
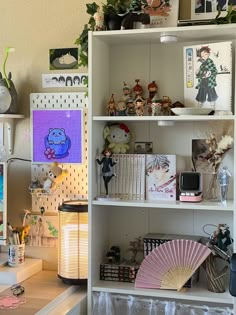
x: 164, y: 118
x: 183, y: 33
x: 203, y: 205
x: 197, y: 293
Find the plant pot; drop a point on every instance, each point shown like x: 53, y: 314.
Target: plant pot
x: 113, y: 22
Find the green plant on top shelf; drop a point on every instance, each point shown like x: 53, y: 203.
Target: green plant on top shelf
x: 230, y: 17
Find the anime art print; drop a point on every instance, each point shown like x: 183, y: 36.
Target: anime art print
x: 208, y: 76
x: 160, y: 177
x: 57, y: 136
x: 162, y: 12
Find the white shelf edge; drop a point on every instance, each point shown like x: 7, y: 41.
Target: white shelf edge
x: 10, y: 116
x: 194, y: 294
x: 164, y: 118
x: 203, y: 205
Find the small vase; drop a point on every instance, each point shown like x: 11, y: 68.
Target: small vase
x: 113, y: 22
x: 212, y: 189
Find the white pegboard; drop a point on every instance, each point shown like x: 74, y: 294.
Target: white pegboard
x: 75, y: 185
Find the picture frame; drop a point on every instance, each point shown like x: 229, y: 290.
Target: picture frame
x: 3, y: 203
x: 208, y: 10
x: 57, y: 135
x: 143, y: 147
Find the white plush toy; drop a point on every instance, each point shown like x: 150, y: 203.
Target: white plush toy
x: 118, y: 137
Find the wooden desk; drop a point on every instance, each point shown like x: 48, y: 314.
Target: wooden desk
x: 43, y: 292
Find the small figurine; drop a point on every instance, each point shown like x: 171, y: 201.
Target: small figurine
x: 99, y: 20
x: 113, y: 255
x: 55, y: 176
x: 161, y: 107
x: 121, y: 108
x: 111, y: 107
x: 139, y: 106
x: 130, y: 107
x: 107, y: 164
x: 138, y: 90
x: 118, y: 137
x: 126, y: 92
x: 152, y: 89
x: 223, y: 179
x: 156, y: 105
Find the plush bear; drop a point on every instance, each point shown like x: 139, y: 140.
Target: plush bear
x: 55, y: 176
x: 118, y: 137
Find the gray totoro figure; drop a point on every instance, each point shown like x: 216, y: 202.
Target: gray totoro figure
x: 8, y: 96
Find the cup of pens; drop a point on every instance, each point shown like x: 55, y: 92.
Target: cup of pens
x: 16, y: 248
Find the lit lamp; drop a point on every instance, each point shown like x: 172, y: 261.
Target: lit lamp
x: 73, y: 242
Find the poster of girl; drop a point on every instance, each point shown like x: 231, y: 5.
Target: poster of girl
x: 208, y: 76
x: 160, y: 177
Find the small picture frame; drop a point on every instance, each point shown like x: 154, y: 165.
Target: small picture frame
x: 143, y: 147
x: 208, y: 9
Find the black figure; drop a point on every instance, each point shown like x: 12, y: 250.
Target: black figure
x: 107, y: 163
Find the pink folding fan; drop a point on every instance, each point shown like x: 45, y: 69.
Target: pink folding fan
x: 171, y: 265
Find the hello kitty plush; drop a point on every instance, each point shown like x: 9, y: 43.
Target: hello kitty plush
x: 118, y: 137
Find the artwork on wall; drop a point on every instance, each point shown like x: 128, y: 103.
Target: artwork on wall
x: 43, y: 230
x: 64, y: 80
x: 208, y: 9
x: 3, y: 202
x: 208, y: 76
x: 57, y: 135
x: 63, y: 58
x: 163, y: 13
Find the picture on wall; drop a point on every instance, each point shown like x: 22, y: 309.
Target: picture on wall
x: 160, y: 177
x: 57, y: 135
x: 43, y: 230
x: 208, y: 9
x: 64, y: 80
x: 63, y: 58
x: 208, y: 76
x: 162, y: 13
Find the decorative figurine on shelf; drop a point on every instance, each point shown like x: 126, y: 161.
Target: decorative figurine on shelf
x: 130, y: 107
x: 55, y: 176
x: 111, y: 107
x: 121, y: 108
x: 161, y: 107
x: 113, y: 255
x: 117, y: 136
x: 152, y: 90
x: 99, y: 20
x: 155, y: 105
x: 139, y: 106
x: 138, y: 90
x: 223, y: 179
x: 126, y: 92
x: 107, y: 164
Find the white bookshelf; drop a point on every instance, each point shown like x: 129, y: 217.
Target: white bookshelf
x: 117, y: 56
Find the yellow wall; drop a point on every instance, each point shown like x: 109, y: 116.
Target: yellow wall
x: 33, y: 27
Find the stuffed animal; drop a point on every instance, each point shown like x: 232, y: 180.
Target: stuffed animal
x: 118, y: 137
x: 55, y: 176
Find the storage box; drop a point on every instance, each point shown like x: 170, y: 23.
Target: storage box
x: 152, y: 240
x: 118, y: 272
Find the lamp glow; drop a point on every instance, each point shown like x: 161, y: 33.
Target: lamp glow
x: 73, y: 242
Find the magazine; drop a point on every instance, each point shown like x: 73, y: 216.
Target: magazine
x: 208, y: 76
x: 160, y: 177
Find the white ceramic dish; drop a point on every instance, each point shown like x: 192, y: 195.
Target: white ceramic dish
x: 191, y: 111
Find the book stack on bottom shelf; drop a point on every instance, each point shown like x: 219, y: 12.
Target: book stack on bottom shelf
x: 118, y: 272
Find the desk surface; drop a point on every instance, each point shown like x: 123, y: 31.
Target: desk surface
x: 42, y: 291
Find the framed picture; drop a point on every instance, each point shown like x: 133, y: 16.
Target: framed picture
x: 63, y: 58
x: 163, y: 13
x: 208, y: 76
x: 143, y: 147
x: 57, y: 135
x: 208, y: 9
x: 3, y: 203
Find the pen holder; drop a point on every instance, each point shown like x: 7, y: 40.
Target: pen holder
x: 16, y: 255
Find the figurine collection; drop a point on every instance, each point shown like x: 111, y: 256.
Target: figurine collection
x: 133, y: 103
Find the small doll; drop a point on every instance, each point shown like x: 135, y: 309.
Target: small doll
x: 121, y: 108
x: 152, y: 89
x: 55, y: 176
x: 117, y: 136
x: 111, y: 107
x: 126, y: 92
x: 138, y: 90
x: 130, y: 107
x: 107, y: 164
x: 139, y: 106
x: 99, y: 20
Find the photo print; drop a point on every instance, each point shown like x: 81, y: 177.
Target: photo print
x: 64, y: 80
x: 63, y: 58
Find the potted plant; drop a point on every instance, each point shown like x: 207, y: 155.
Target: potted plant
x: 112, y: 9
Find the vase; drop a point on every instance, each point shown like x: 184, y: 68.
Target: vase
x: 215, y: 278
x: 113, y: 22
x: 212, y: 188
